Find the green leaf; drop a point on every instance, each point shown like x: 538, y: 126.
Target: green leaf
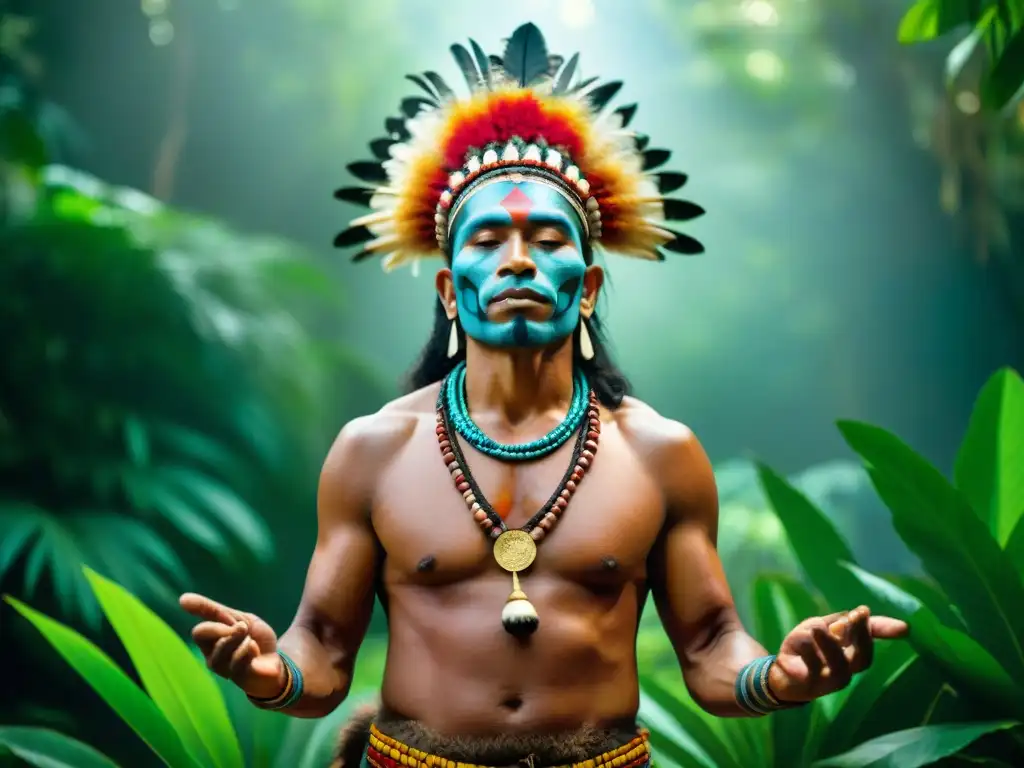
x: 966, y: 663
x: 113, y: 685
x: 174, y: 508
x: 891, y: 662
x: 1005, y: 39
x: 818, y: 546
x: 319, y: 747
x: 932, y: 597
x: 137, y: 441
x: 1015, y: 548
x: 780, y: 603
x: 681, y: 732
x: 226, y: 507
x: 962, y: 53
x: 928, y: 19
x: 988, y: 465
x: 937, y: 523
x: 45, y: 748
x: 914, y: 747
x: 56, y: 550
x: 179, y: 684
x: 19, y: 525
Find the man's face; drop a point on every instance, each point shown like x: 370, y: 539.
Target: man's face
x: 517, y: 265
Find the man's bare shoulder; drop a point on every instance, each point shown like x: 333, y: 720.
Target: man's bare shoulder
x: 369, y: 442
x: 648, y: 431
x: 674, y: 456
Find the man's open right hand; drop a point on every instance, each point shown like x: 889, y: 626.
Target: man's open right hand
x: 238, y: 646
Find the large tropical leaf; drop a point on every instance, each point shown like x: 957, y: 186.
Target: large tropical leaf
x: 779, y: 605
x: 681, y: 732
x: 889, y: 669
x: 964, y: 661
x: 991, y: 457
x: 44, y: 748
x: 926, y: 591
x: 114, y: 686
x: 178, y: 683
x: 60, y: 544
x: 939, y: 526
x: 914, y: 747
x: 818, y: 546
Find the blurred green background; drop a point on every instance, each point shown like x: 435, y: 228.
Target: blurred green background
x: 181, y: 343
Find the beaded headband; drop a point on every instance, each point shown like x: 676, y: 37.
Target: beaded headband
x: 590, y: 220
x: 527, y: 113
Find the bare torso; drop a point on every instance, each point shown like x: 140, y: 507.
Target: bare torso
x: 450, y: 665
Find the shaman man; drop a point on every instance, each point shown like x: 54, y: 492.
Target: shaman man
x: 515, y: 510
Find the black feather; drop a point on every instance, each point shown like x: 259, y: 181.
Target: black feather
x: 600, y: 96
x: 683, y: 244
x: 626, y: 113
x: 425, y: 86
x: 380, y: 148
x: 413, y: 105
x: 353, y: 236
x: 446, y: 93
x: 641, y: 140
x: 469, y: 70
x: 681, y: 210
x: 395, y: 126
x: 582, y: 84
x: 526, y: 55
x: 496, y: 62
x: 669, y: 181
x: 565, y: 79
x: 660, y: 254
x: 655, y: 158
x: 357, y: 195
x: 482, y: 63
x: 368, y: 170
x: 363, y: 255
x: 555, y: 63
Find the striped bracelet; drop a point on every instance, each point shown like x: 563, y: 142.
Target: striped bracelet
x: 752, y: 692
x: 292, y: 692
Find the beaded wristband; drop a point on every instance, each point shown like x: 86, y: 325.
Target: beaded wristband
x: 292, y: 692
x: 752, y: 692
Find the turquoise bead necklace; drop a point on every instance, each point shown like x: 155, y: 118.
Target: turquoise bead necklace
x: 453, y: 399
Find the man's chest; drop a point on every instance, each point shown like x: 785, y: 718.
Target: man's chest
x: 603, y: 537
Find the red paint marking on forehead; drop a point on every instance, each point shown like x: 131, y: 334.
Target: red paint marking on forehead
x: 518, y: 204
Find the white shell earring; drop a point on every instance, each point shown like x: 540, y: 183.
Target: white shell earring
x: 453, y: 340
x: 586, y: 345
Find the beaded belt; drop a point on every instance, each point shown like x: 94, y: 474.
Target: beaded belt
x: 385, y: 752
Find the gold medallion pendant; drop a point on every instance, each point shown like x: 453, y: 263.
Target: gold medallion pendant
x: 515, y: 551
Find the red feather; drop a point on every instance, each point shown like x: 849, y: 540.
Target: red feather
x: 519, y: 115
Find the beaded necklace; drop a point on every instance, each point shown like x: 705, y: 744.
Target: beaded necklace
x: 516, y: 549
x: 454, y: 393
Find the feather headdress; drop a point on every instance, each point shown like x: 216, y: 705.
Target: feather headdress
x: 526, y: 113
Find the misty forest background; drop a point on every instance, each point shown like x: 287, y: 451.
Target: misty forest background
x: 181, y: 343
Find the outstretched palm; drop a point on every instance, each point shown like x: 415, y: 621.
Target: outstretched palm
x: 821, y: 655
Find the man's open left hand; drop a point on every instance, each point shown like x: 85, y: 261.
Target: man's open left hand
x: 821, y: 655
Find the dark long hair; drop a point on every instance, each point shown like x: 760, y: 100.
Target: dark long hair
x: 609, y: 383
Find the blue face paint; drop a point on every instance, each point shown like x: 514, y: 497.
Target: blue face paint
x: 480, y: 273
